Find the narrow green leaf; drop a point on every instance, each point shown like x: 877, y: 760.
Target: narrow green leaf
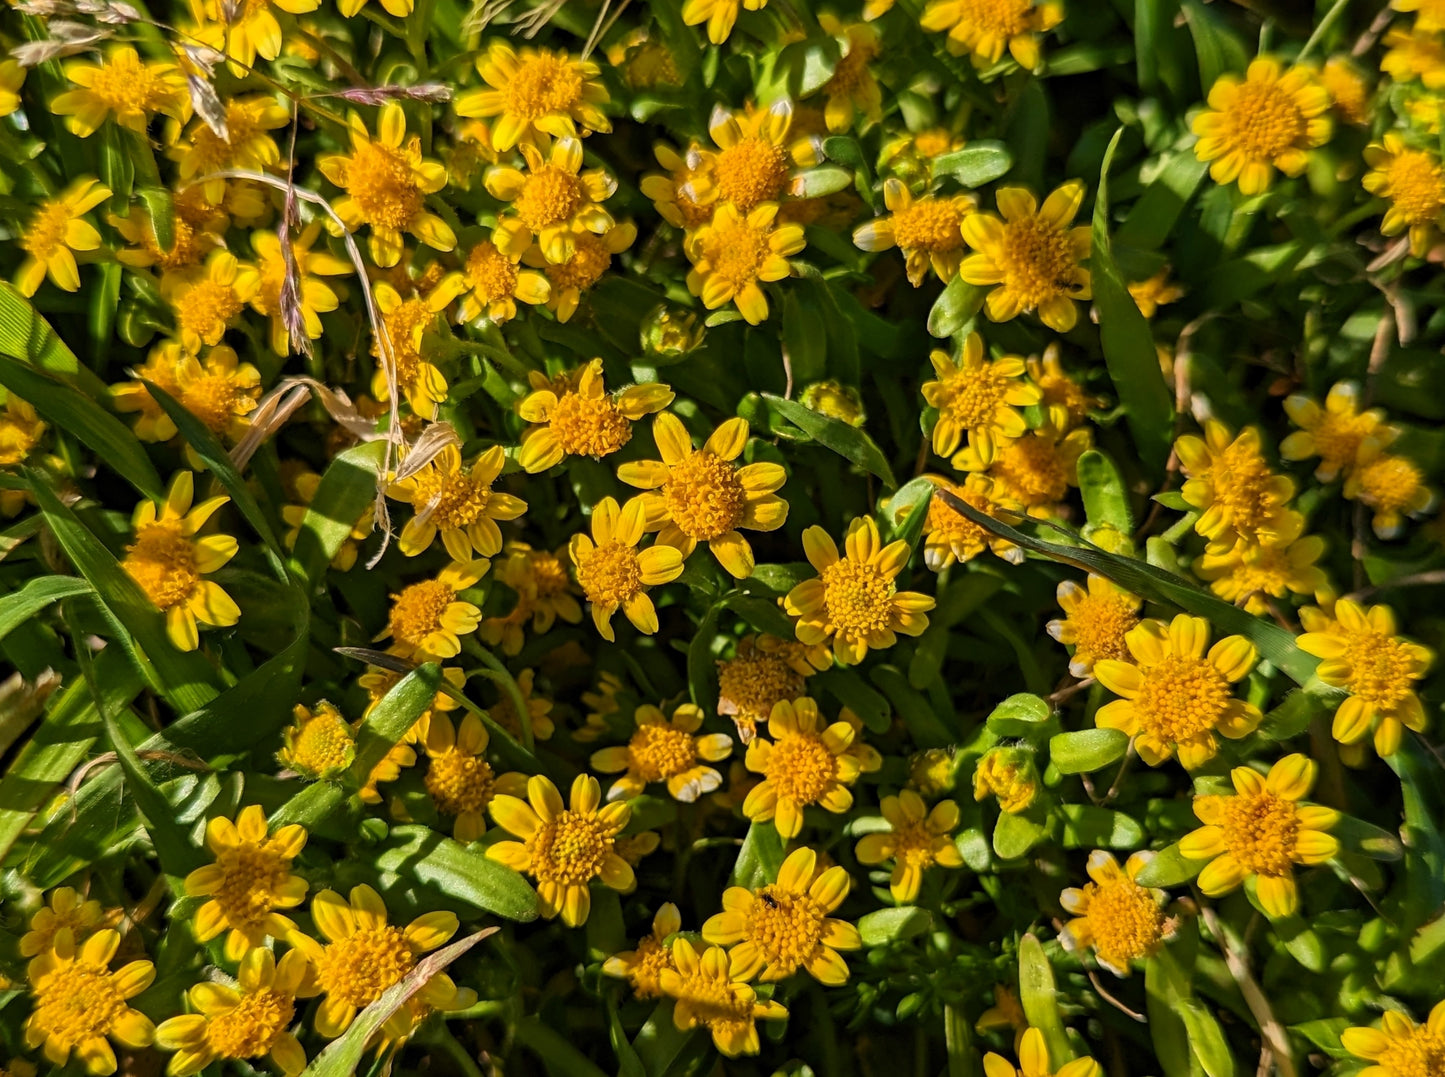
x: 1169, y: 867
x: 1168, y: 974
x: 760, y: 613
x: 393, y: 715
x: 1085, y: 750
x: 346, y: 490
x: 162, y: 210
x: 701, y: 666
x: 1106, y: 499
x: 1015, y: 834
x: 847, y: 441
x: 1206, y: 1039
x: 1357, y: 836
x: 760, y: 857
x: 1218, y: 49
x: 37, y: 594
x: 1151, y: 219
x: 463, y: 873
x: 25, y: 335
x: 851, y: 690
x: 1040, y: 999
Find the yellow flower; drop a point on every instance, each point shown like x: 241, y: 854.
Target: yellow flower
x: 803, y: 764
x: 427, y: 618
x: 56, y: 230
x: 1269, y: 120
x: 1260, y: 832
x: 544, y: 591
x: 1114, y: 916
x: 1415, y: 54
x: 266, y: 278
x: 1230, y: 483
x: 916, y: 840
x: 386, y: 180
x: 784, y: 926
x: 1095, y: 623
x: 950, y: 538
x: 642, y: 967
x: 754, y: 158
x: 580, y: 418
x: 124, y: 86
x: 1413, y: 182
x: 855, y: 600
x: 539, y: 709
x: 197, y: 228
x: 684, y: 196
x: 1031, y: 254
x: 1034, y: 1061
x: 764, y: 672
x: 852, y: 90
x: 614, y: 574
x: 985, y: 28
x: 1349, y: 92
x: 248, y: 144
x: 319, y: 742
x: 720, y: 15
x: 591, y: 258
x: 707, y: 994
x: 1390, y: 485
x: 537, y: 93
x: 1006, y: 1012
x: 20, y: 430
x: 646, y: 62
x: 1008, y: 774
x: 247, y: 32
x: 250, y: 1020
x: 219, y: 390
x: 248, y: 881
x: 399, y: 9
x: 1034, y: 471
x: 925, y: 229
x: 1362, y: 654
x: 304, y: 487
x: 665, y: 750
x: 1246, y: 574
x: 206, y: 301
x: 1149, y: 295
x: 977, y: 398
x: 934, y: 771
x: 1336, y: 432
x: 364, y: 955
x: 1399, y: 1047
x: 461, y: 782
x: 551, y: 202
x: 733, y: 255
x: 458, y: 502
x: 702, y: 495
x: 169, y: 561
x: 80, y: 1004
x: 492, y: 283
x: 65, y: 912
x: 564, y: 846
x: 406, y: 322
x: 1429, y: 14
x: 12, y: 77
x: 400, y: 755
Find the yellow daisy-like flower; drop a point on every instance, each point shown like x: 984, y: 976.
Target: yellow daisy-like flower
x: 1032, y: 255
x: 319, y: 742
x: 1336, y: 432
x: 169, y: 561
x: 803, y: 764
x: 219, y: 390
x: 55, y: 231
x: 614, y: 574
x: 851, y: 90
x: 734, y: 255
x: 709, y: 995
x: 855, y: 601
x: 65, y: 911
x: 539, y: 709
x: 248, y: 881
x: 12, y: 77
x: 1261, y: 832
x: 977, y: 398
x: 550, y: 202
x: 1155, y: 292
x: 197, y: 228
x: 406, y: 322
x: 492, y: 283
x: 1429, y: 14
x: 591, y: 258
x: 933, y: 772
x: 1349, y: 92
x: 458, y: 777
x: 400, y: 756
x: 564, y: 846
x: 1392, y: 486
x: 1114, y: 916
x: 643, y: 967
x: 1177, y: 697
x: 754, y: 156
x: 986, y: 28
x: 250, y: 31
x: 764, y: 672
x: 545, y: 592
x: 1034, y: 1061
x: 20, y: 431
x: 702, y: 495
x: 80, y: 1005
x: 949, y: 537
x: 1362, y: 653
x: 250, y: 1020
x: 1269, y: 120
x: 206, y: 301
x: 665, y: 750
x: 248, y: 145
x: 386, y: 181
x: 926, y: 230
x: 684, y: 196
x: 784, y: 926
x: 265, y: 279
x: 538, y: 94
x: 581, y: 418
x: 1229, y: 481
x: 364, y: 955
x: 428, y: 617
x: 1248, y: 575
x: 1400, y: 1047
x: 457, y: 501
x: 1009, y: 775
x: 125, y: 87
x: 916, y: 840
x: 1096, y: 621
x: 1413, y: 182
x: 1415, y: 54
x: 719, y: 15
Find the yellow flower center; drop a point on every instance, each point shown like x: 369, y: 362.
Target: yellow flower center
x: 571, y: 848
x: 704, y: 497
x: 649, y: 959
x: 356, y: 970
x: 455, y: 499
x: 1416, y: 186
x: 381, y: 183
x: 1125, y: 919
x: 490, y: 273
x: 217, y: 397
x: 251, y: 875
x: 1338, y: 437
x: 1421, y: 1053
x: 1380, y: 668
x: 549, y: 196
x: 1100, y: 623
x: 716, y: 1005
x: 589, y: 261
x: 913, y: 845
x: 589, y: 426
x: 417, y: 611
x: 212, y: 152
x: 997, y: 18
x: 323, y: 743
x: 250, y: 1029
x: 1032, y: 470
x: 1390, y: 483
x: 929, y: 224
x: 46, y: 233
x: 736, y: 251
x: 128, y: 85
x: 1259, y: 831
x: 971, y: 396
x: 163, y: 562
x: 459, y: 782
x: 858, y: 598
x: 1037, y: 259
x: 786, y: 926
x: 206, y: 307
x: 1181, y: 697
x: 549, y: 574
x: 1263, y: 121
x: 750, y: 171
x: 1062, y: 391
x: 753, y: 682
x: 610, y: 574
x: 541, y: 84
x: 801, y: 768
x: 657, y: 752
x: 401, y: 324
x: 76, y: 1002
x: 1241, y: 479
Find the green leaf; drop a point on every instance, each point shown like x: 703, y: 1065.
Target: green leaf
x: 1015, y: 834
x: 1218, y: 49
x: 1168, y: 976
x: 701, y: 665
x: 1106, y: 499
x: 805, y: 335
x: 1090, y: 827
x: 26, y: 336
x: 162, y: 210
x: 660, y: 1044
x: 1206, y: 1039
x: 1085, y: 750
x: 312, y: 807
x: 759, y: 613
x: 1019, y: 715
x: 346, y: 490
x: 1324, y: 1033
x: 820, y: 182
x: 393, y: 715
x: 1169, y: 867
x: 1357, y: 836
x: 976, y: 164
x: 954, y: 307
x: 1040, y: 1000
x: 847, y: 441
x: 37, y: 594
x: 1151, y: 220
x: 893, y: 925
x: 851, y: 690
x: 463, y: 873
x: 760, y: 857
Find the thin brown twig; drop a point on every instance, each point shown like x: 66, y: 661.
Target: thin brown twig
x: 1112, y: 1001
x: 1276, y: 1040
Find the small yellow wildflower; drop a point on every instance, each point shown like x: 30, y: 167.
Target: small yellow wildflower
x: 1349, y: 92
x: 160, y: 368
x: 80, y: 1005
x: 564, y: 846
x: 764, y: 671
x: 460, y: 780
x: 56, y: 230
x: 1095, y: 623
x: 581, y: 418
x: 591, y: 258
x: 1155, y: 292
x: 614, y: 574
x: 855, y: 601
x: 428, y: 617
x: 304, y: 487
x: 12, y: 77
x: 1413, y: 182
x: 1067, y: 402
x: 916, y: 840
x: 406, y: 322
x: 397, y: 758
x: 1008, y: 774
x: 248, y: 145
x: 20, y: 430
x: 665, y: 750
x: 550, y: 202
x: 219, y: 390
x: 1006, y: 1012
x: 1035, y: 471
x: 545, y: 592
x: 1400, y: 1047
x: 264, y: 280
x: 803, y: 764
x: 1246, y: 575
x: 1230, y: 483
x: 977, y: 398
x: 539, y: 709
x: 1114, y: 916
x: 852, y: 91
x: 207, y: 300
x: 65, y: 911
x: 1034, y: 1061
x: 719, y: 15
x: 1335, y: 432
x: 399, y: 9
x: 1362, y: 653
x: 492, y: 283
x: 950, y: 538
x: 646, y: 62
x: 986, y: 28
x: 754, y: 156
x: 197, y: 228
x: 684, y: 196
x: 250, y: 1020
x: 169, y: 561
x: 734, y: 254
x: 537, y: 93
x: 1260, y: 832
x: 1392, y: 486
x: 926, y: 230
x: 124, y: 86
x: 1415, y: 54
x: 318, y: 743
x: 247, y: 32
x: 707, y: 994
x: 1269, y: 120
x: 457, y: 501
x: 642, y: 967
x: 934, y: 771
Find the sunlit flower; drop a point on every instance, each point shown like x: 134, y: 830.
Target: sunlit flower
x: 1031, y: 254
x: 916, y: 840
x: 1035, y: 471
x: 459, y: 778
x: 536, y: 93
x: 754, y: 157
x: 197, y: 228
x: 1335, y: 432
x: 1095, y: 623
x: 538, y: 708
x: 406, y: 322
x: 123, y: 86
x: 169, y: 561
x: 1155, y: 292
x: 665, y: 750
x: 564, y: 846
x: 1268, y: 120
x: 550, y: 202
x: 852, y: 90
x: 248, y: 144
x: 250, y: 1020
x: 642, y: 967
x: 265, y: 280
x: 219, y: 390
x: 386, y: 180
x: 427, y: 618
x: 1229, y: 481
x: 934, y: 771
x: 80, y: 1005
x: 925, y: 229
x: 1034, y: 1061
x: 248, y: 31
x: 1400, y: 1047
x: 319, y: 742
x: 1261, y: 832
x: 1008, y: 774
x: 1415, y: 54
x: 1413, y: 182
x: 65, y: 911
x: 684, y: 196
x: 1362, y: 653
x: 804, y: 763
x: 1114, y: 916
x: 591, y: 258
x: 950, y: 538
x: 248, y: 881
x: 734, y: 255
x: 398, y: 757
x: 645, y: 61
x: 545, y: 592
x: 55, y: 231
x: 1006, y: 1012
x: 977, y: 398
x: 21, y: 429
x: 1349, y: 92
x: 764, y: 672
x: 581, y: 418
x: 910, y: 155
x: 457, y: 501
x: 492, y: 283
x: 206, y: 301
x: 707, y: 994
x: 986, y: 28
x: 1248, y: 575
x: 614, y: 574
x: 1392, y: 486
x: 160, y: 368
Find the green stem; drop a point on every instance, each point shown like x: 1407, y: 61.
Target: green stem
x: 1331, y: 17
x: 504, y: 679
